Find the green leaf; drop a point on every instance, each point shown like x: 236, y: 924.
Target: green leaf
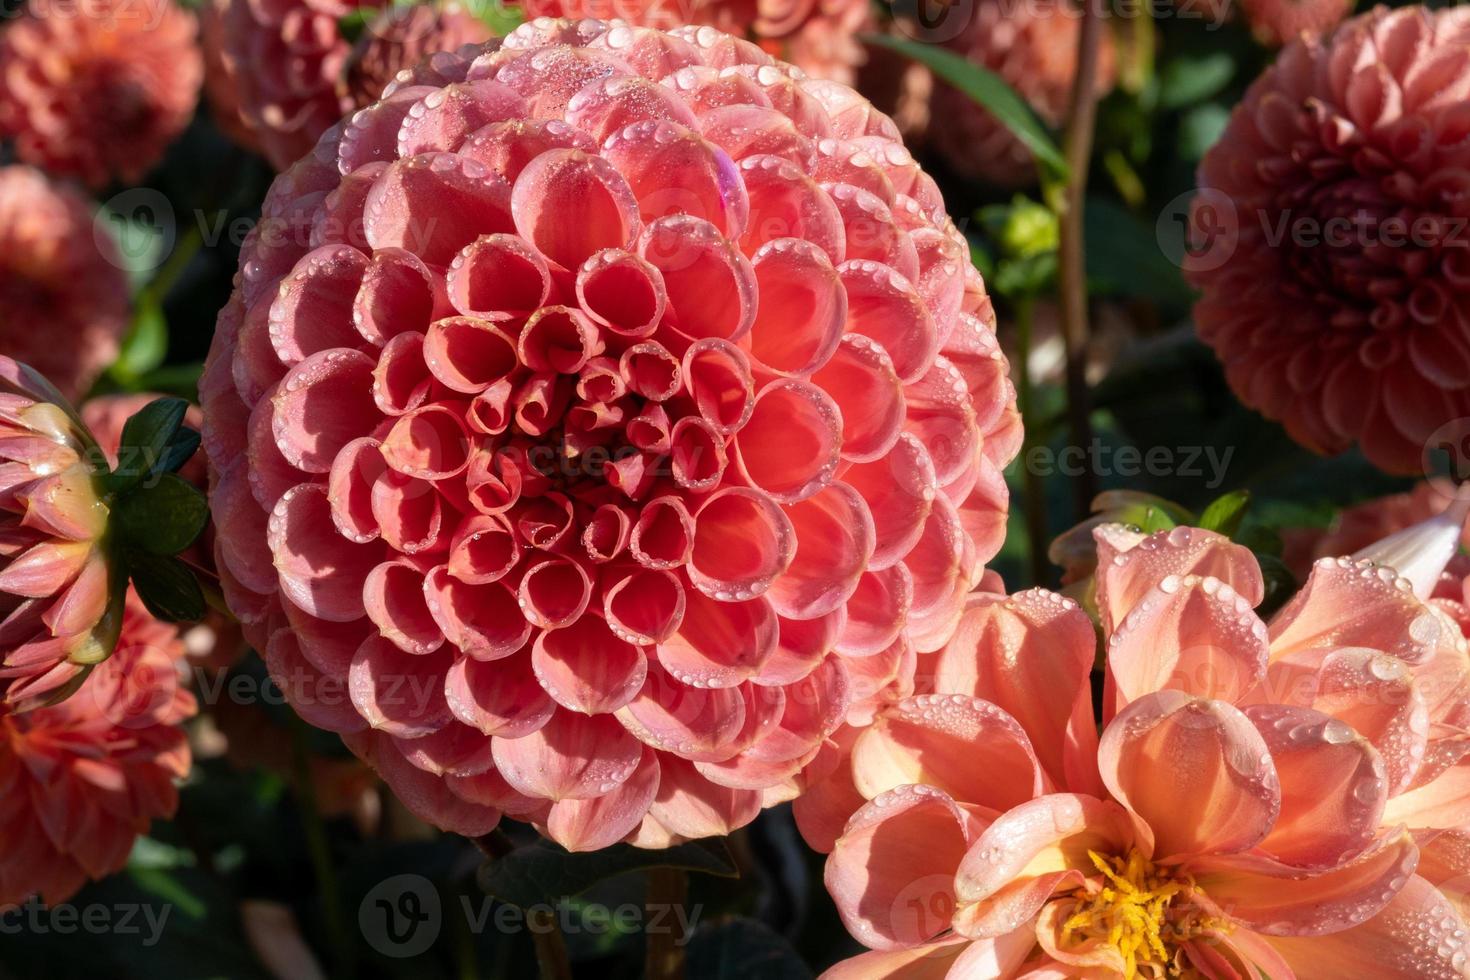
x: 146, y: 344
x: 989, y: 91
x: 1192, y: 78
x: 161, y: 518
x: 1124, y: 258
x: 737, y: 949
x: 543, y: 873
x: 1200, y: 129
x: 167, y: 587
x: 1224, y: 514
x: 146, y: 438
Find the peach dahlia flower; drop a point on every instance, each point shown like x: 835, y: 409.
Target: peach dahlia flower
x: 1251, y: 808
x: 62, y: 284
x: 817, y: 36
x: 1332, y: 247
x: 61, y: 610
x: 79, y: 781
x: 98, y: 89
x: 588, y: 408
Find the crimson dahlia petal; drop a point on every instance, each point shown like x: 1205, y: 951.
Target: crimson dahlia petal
x: 98, y: 89
x: 647, y: 399
x: 1332, y: 249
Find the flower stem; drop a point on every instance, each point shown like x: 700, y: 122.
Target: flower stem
x: 551, y: 948
x: 321, y: 855
x: 1035, y: 492
x: 1077, y: 146
x: 668, y: 891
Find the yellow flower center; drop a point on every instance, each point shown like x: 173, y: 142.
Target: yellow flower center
x: 1142, y: 913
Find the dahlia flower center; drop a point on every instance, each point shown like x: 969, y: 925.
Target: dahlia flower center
x: 1142, y: 912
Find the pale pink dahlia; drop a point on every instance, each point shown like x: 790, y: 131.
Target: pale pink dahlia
x: 1033, y: 47
x: 62, y: 610
x: 401, y: 37
x: 590, y: 409
x: 1331, y: 244
x: 79, y: 781
x: 1254, y: 806
x: 98, y: 89
x: 818, y: 36
x: 62, y: 286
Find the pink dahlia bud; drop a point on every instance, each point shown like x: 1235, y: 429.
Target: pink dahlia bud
x: 85, y: 777
x: 63, y: 607
x: 62, y: 284
x: 98, y: 89
x: 1330, y: 244
x: 1033, y: 47
x: 818, y: 36
x: 588, y: 407
x: 401, y: 37
x: 1277, y: 22
x: 222, y: 77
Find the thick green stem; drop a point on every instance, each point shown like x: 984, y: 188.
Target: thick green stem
x: 1034, y: 502
x: 343, y: 950
x: 668, y: 892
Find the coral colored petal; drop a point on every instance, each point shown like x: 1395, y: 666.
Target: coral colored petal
x: 860, y: 379
x: 586, y: 668
x: 485, y: 621
x: 835, y: 540
x: 790, y: 446
x: 969, y: 748
x: 696, y: 723
x: 877, y: 611
x: 1196, y: 772
x: 399, y: 293
x: 1031, y: 654
x: 720, y: 643
x: 393, y: 596
x: 320, y: 699
x: 399, y: 693
x: 319, y: 570
x: 560, y: 182
x: 742, y: 542
x: 899, y: 490
x: 1333, y: 787
x: 673, y: 170
x: 313, y: 312
x: 590, y: 825
x: 324, y: 403
x: 891, y: 872
x: 1355, y: 604
x: 1124, y: 577
x: 692, y: 807
x: 500, y: 698
x: 435, y: 204
x: 803, y: 307
x: 710, y: 285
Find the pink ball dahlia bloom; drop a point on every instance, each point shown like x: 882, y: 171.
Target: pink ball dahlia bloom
x: 79, y: 781
x: 1254, y: 806
x: 62, y: 610
x: 588, y: 408
x: 1033, y: 47
x: 295, y: 73
x: 1331, y: 237
x: 62, y: 284
x: 817, y: 36
x: 98, y: 89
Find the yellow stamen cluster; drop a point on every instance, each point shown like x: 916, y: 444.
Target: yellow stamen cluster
x: 1133, y: 912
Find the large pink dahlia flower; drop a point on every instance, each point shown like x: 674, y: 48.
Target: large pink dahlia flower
x: 295, y: 72
x: 62, y: 286
x: 62, y: 611
x: 818, y: 36
x: 1033, y: 47
x: 587, y: 408
x: 98, y: 89
x: 79, y: 781
x: 1253, y: 807
x: 1332, y: 248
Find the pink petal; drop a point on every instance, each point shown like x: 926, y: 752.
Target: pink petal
x: 1196, y: 772
x: 500, y: 698
x: 586, y: 668
x: 319, y: 570
x: 609, y: 106
x: 697, y: 723
x: 835, y: 540
x: 322, y: 700
x: 754, y: 131
x: 719, y: 644
x: 861, y: 380
x: 1124, y: 577
x: 673, y: 170
x: 1348, y: 604
x: 590, y: 825
x: 571, y: 757
x: 399, y: 693
x: 554, y: 593
x: 559, y: 339
x: 803, y: 308
x: 483, y: 550
x: 496, y: 276
x: 692, y: 807
x: 622, y: 292
x: 485, y: 621
x: 742, y: 542
x: 507, y: 147
x: 1445, y: 802
x: 430, y: 443
x: 393, y: 596
x: 445, y: 117
x: 469, y: 355
x: 558, y: 182
x: 899, y: 490
x: 710, y: 284
x: 663, y: 535
x: 313, y: 312
x: 321, y: 405
x: 643, y: 605
x: 435, y: 204
x: 877, y: 611
x: 401, y: 380
x: 790, y: 446
x: 786, y: 203
x: 399, y: 293
x: 650, y: 371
